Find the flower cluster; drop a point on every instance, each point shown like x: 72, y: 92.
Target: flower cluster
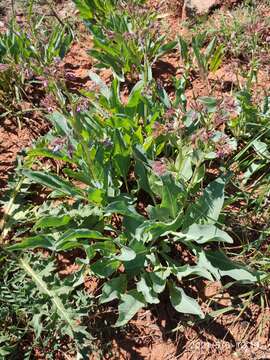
x: 49, y: 103
x: 159, y: 167
x: 82, y: 105
x: 59, y: 144
x: 202, y: 135
x: 223, y: 147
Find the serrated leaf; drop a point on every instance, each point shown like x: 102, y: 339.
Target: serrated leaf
x: 56, y: 301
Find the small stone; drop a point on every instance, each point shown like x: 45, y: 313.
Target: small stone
x: 198, y: 7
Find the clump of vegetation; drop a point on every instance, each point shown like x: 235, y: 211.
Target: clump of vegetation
x: 130, y: 191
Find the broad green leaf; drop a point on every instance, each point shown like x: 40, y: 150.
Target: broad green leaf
x: 209, y: 102
x: 54, y: 182
x: 146, y: 288
x: 78, y: 175
x: 127, y: 254
x: 184, y: 166
x: 50, y: 154
x: 131, y: 303
x: 164, y: 97
x: 106, y: 248
x: 210, y: 49
x: 216, y: 60
x: 141, y: 169
x: 71, y: 235
x: 39, y: 241
x: 202, y: 234
x: 159, y: 279
x: 74, y: 234
x: 166, y: 48
x: 113, y: 289
x: 183, y: 303
x: 261, y: 148
x: 170, y: 194
x: 52, y: 221
x: 103, y: 88
x: 199, y: 175
x: 96, y: 195
x: 142, y: 177
x: 187, y: 270
x: 204, y: 263
x: 135, y: 95
x: 182, y: 271
x: 208, y: 207
x: 105, y: 267
x: 227, y: 267
x: 122, y: 208
x: 184, y: 49
x: 121, y: 154
x: 151, y: 230
x: 135, y: 266
x: 201, y: 60
x: 60, y: 122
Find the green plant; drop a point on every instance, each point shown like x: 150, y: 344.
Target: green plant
x: 37, y: 308
x: 208, y: 59
x: 129, y: 187
x: 124, y: 41
x: 24, y: 56
x: 100, y: 148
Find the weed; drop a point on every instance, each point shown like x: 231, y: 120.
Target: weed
x: 132, y: 190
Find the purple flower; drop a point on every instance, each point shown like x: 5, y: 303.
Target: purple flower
x: 223, y: 148
x: 70, y: 76
x: 129, y: 36
x: 220, y: 119
x: 4, y: 67
x: 110, y: 34
x: 158, y: 129
x: 169, y: 114
x: 82, y: 105
x: 159, y: 168
x: 57, y: 60
x: 107, y: 143
x: 57, y: 144
x: 49, y: 103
